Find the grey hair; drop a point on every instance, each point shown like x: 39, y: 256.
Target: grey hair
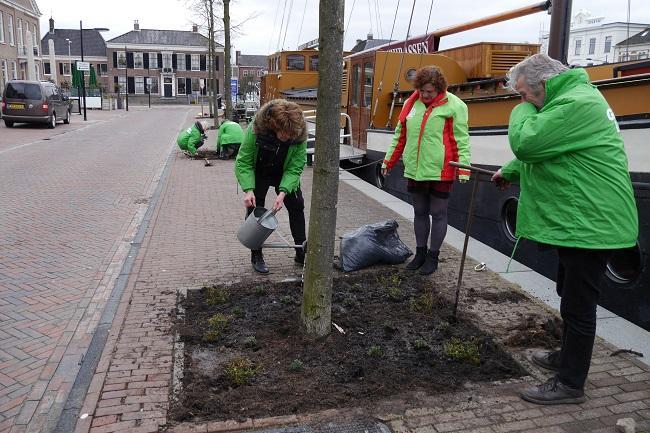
x: 535, y: 70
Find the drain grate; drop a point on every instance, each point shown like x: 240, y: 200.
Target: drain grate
x: 358, y: 426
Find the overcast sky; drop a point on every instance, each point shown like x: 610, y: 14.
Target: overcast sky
x: 265, y: 33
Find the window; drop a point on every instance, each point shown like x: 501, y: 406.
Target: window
x: 66, y: 68
x: 121, y: 80
x: 180, y: 62
x: 5, y: 73
x: 103, y: 69
x: 35, y: 38
x: 21, y: 41
x: 2, y: 30
x: 153, y: 61
x: 356, y: 89
x: 180, y: 86
x: 11, y: 30
x: 121, y: 59
x: 139, y: 85
x: 46, y: 68
x: 196, y: 64
x: 153, y: 85
x: 608, y: 44
x: 592, y: 45
x: 367, y: 84
x: 38, y: 72
x: 167, y: 60
x: 245, y: 73
x: 578, y: 47
x: 295, y: 62
x: 313, y: 63
x: 14, y: 71
x: 195, y: 85
x: 138, y: 62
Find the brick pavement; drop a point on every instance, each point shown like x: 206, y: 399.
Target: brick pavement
x: 69, y: 208
x: 191, y: 242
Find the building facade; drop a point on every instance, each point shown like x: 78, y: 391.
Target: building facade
x: 173, y: 63
x: 250, y: 70
x: 17, y: 17
x: 592, y: 41
x: 635, y: 48
x: 67, y: 51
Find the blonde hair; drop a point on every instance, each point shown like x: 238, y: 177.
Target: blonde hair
x: 280, y: 115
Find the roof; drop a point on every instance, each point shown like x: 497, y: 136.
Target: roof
x: 162, y: 37
x: 309, y: 93
x: 643, y: 37
x: 253, y: 60
x: 29, y: 5
x: 368, y: 44
x: 94, y: 44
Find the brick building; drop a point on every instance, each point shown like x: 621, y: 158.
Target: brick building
x: 175, y: 61
x: 67, y: 51
x: 251, y: 69
x: 17, y: 17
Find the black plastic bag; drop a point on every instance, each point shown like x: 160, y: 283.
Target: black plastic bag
x: 372, y: 244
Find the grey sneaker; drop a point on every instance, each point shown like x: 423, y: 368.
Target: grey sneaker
x: 549, y: 360
x: 553, y: 392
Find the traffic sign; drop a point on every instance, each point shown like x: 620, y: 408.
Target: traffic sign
x: 202, y: 83
x: 83, y: 66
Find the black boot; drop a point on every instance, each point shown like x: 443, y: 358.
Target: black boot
x: 300, y: 256
x: 430, y: 263
x: 418, y: 260
x: 257, y: 259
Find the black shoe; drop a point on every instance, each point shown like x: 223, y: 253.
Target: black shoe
x: 430, y: 264
x: 257, y: 259
x: 553, y: 392
x: 300, y: 256
x: 549, y: 360
x: 418, y: 260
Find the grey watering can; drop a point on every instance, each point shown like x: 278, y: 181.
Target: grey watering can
x: 257, y: 227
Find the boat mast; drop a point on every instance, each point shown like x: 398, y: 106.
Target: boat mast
x: 558, y: 40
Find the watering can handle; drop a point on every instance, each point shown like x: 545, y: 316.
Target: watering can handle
x: 266, y: 214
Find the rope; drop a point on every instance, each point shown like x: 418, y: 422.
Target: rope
x: 426, y: 32
x: 275, y: 22
x: 370, y: 16
x: 304, y: 11
x: 512, y: 255
x: 401, y: 65
x: 349, y: 20
x: 378, y: 20
x: 287, y: 26
x: 381, y: 78
x: 284, y: 11
x: 362, y: 166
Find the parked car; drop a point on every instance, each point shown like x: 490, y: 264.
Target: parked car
x: 34, y: 102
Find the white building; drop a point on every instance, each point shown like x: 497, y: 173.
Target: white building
x: 635, y: 48
x: 592, y: 41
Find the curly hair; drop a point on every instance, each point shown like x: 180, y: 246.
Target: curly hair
x: 430, y: 75
x: 281, y: 115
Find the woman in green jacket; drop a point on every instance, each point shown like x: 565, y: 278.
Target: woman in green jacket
x: 576, y: 196
x: 274, y: 153
x: 229, y: 138
x: 192, y: 138
x: 432, y: 131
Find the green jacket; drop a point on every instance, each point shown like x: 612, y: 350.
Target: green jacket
x: 572, y: 169
x: 229, y: 133
x: 247, y: 158
x: 189, y: 138
x: 427, y: 138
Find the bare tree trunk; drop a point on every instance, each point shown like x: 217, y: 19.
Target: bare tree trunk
x: 226, y: 62
x: 211, y: 71
x: 317, y: 291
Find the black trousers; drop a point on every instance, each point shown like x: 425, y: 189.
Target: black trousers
x: 579, y: 275
x: 294, y: 203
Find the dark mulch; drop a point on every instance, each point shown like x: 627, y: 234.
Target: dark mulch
x: 396, y: 328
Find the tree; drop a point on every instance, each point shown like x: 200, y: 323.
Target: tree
x: 226, y: 63
x: 248, y: 86
x: 317, y: 292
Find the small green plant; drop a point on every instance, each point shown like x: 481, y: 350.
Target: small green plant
x: 375, y: 351
x: 394, y: 293
x: 420, y: 344
x: 241, y: 370
x: 215, y: 327
x: 250, y: 342
x: 238, y: 311
x: 349, y: 302
x: 260, y: 290
x: 464, y: 351
x: 422, y: 304
x: 392, y: 280
x: 296, y: 366
x: 217, y: 295
x: 356, y: 288
x: 286, y: 300
x: 443, y: 327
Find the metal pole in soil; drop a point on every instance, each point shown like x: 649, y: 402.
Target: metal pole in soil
x: 83, y: 81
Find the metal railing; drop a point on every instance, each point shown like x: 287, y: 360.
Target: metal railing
x: 310, y: 117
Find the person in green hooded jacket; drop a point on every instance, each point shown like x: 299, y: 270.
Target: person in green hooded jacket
x: 229, y: 138
x: 274, y: 153
x: 190, y: 139
x: 576, y: 196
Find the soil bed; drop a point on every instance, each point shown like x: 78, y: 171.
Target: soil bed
x: 398, y: 338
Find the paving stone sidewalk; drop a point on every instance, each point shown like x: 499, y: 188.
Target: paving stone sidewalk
x: 191, y: 242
